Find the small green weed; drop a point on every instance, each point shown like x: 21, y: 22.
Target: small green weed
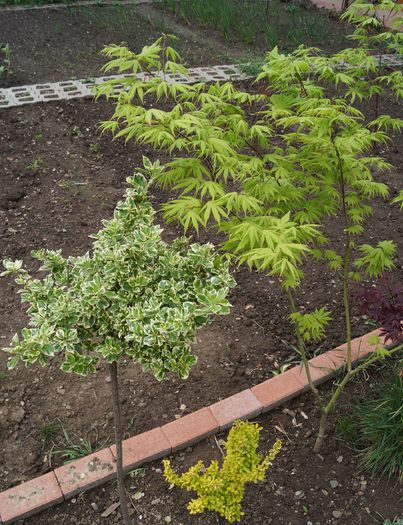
x: 71, y: 449
x: 347, y: 430
x: 291, y: 8
x: 250, y: 66
x: 35, y: 165
x: 50, y: 430
x: 137, y: 472
x: 5, y: 60
x: 76, y: 132
x: 96, y: 149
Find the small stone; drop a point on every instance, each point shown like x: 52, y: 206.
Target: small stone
x: 325, y: 492
x: 299, y: 494
x: 334, y: 483
x: 155, y: 501
x: 17, y: 414
x: 94, y: 506
x: 108, y: 379
x: 340, y: 459
x: 337, y: 514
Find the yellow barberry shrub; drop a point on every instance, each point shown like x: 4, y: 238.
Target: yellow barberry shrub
x: 221, y: 489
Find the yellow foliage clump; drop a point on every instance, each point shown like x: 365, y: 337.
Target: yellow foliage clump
x: 221, y: 489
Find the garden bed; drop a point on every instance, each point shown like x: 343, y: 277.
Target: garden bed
x: 55, y: 45
x: 259, y: 25
x: 301, y: 488
x: 59, y: 180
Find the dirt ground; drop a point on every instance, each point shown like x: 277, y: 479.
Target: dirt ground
x: 61, y: 44
x: 59, y: 179
x: 300, y: 488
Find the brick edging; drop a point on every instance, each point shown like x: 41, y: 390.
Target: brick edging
x: 90, y: 471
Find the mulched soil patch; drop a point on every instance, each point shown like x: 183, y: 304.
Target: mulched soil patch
x: 59, y: 179
x: 54, y: 45
x: 300, y: 489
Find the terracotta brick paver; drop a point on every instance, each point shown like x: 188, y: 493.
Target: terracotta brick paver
x: 190, y: 429
x: 279, y: 388
x: 243, y: 405
x: 28, y: 498
x: 360, y: 347
x: 86, y: 472
x: 144, y: 447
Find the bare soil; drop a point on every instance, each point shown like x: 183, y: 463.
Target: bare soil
x: 61, y: 44
x: 301, y: 488
x: 59, y: 179
x: 54, y: 45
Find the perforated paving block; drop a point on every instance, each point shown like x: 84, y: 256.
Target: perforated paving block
x: 46, y: 92
x: 69, y: 89
x: 29, y: 498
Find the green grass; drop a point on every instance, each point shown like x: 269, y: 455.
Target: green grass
x: 50, y: 430
x: 121, y: 18
x: 71, y: 448
x: 261, y: 23
x: 250, y: 65
x: 376, y: 430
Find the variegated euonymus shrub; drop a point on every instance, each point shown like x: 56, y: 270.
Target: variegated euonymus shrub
x: 133, y: 296
x: 268, y: 168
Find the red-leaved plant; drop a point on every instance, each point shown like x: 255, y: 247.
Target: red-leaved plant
x: 383, y: 302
